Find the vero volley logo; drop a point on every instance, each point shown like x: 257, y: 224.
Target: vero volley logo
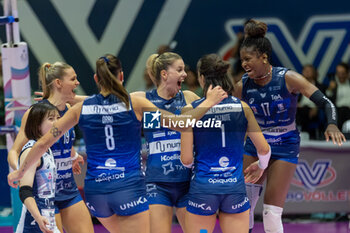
x: 320, y: 174
x: 323, y: 42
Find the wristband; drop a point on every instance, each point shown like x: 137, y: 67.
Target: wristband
x: 25, y: 192
x: 75, y: 156
x: 264, y: 159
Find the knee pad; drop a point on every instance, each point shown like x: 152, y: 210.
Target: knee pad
x: 253, y: 193
x: 272, y: 218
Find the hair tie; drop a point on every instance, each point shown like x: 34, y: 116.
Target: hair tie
x: 105, y: 58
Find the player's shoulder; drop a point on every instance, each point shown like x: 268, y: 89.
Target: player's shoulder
x: 190, y: 96
x: 138, y: 93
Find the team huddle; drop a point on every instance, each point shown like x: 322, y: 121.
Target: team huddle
x: 203, y: 171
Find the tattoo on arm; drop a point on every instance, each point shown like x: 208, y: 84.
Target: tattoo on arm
x: 55, y: 132
x: 24, y: 167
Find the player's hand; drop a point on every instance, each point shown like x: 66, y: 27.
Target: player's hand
x: 43, y: 224
x: 332, y: 85
x: 215, y: 95
x: 76, y: 166
x: 40, y: 95
x: 334, y: 133
x: 13, y: 177
x: 253, y: 173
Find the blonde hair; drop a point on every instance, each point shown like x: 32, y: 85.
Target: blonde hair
x: 149, y: 64
x: 48, y: 73
x: 159, y: 62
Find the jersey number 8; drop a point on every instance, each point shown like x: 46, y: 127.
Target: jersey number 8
x: 109, y: 137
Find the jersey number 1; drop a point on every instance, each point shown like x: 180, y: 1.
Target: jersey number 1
x: 223, y: 139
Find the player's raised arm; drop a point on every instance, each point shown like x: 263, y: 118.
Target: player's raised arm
x: 70, y: 119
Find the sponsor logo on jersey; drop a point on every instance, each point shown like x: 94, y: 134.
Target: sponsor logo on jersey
x: 90, y: 206
x: 169, y: 157
x: 111, y: 164
x: 222, y: 181
x: 281, y: 73
x: 224, y: 108
x: 63, y: 164
x: 96, y: 109
x: 150, y: 187
x: 171, y: 145
x: 172, y: 133
x: 202, y: 206
x: 274, y: 88
x: 133, y: 204
x: 280, y: 107
x: 167, y: 168
x: 223, y: 162
x: 255, y: 111
x: 276, y: 97
x: 108, y: 177
x: 278, y: 130
x: 158, y: 134
x: 156, y: 101
x: 66, y: 175
x: 252, y: 90
x: 240, y: 205
x: 274, y: 140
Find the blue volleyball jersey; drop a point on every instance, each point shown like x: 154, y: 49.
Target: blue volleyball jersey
x: 218, y: 151
x: 274, y: 108
x: 112, y: 134
x: 66, y: 187
x: 43, y: 193
x: 163, y: 162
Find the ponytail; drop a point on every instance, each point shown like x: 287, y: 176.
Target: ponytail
x: 108, y: 68
x: 42, y: 79
x: 149, y: 67
x: 48, y: 73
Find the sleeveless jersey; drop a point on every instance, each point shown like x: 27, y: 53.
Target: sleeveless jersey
x: 43, y: 192
x: 66, y: 187
x: 219, y: 150
x: 112, y: 135
x: 274, y: 108
x: 164, y: 144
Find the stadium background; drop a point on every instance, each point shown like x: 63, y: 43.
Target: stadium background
x: 80, y: 31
